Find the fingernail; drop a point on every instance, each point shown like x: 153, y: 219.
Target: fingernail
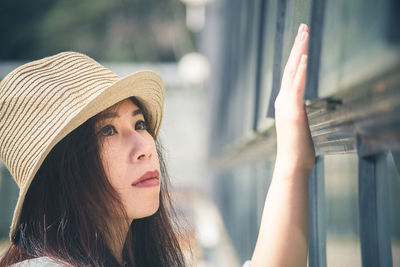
x: 300, y: 28
x: 303, y: 36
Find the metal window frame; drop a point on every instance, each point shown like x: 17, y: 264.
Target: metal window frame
x: 373, y: 214
x: 317, y: 221
x: 317, y: 206
x: 318, y: 8
x: 260, y: 60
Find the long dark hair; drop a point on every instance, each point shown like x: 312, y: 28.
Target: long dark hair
x: 63, y: 216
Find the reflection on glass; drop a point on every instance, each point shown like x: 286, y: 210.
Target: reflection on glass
x: 348, y: 49
x: 239, y: 192
x: 342, y: 225
x: 393, y: 165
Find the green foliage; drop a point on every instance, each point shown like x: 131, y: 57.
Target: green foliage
x: 111, y: 30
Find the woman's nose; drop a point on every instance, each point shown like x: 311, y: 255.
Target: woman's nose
x: 142, y: 147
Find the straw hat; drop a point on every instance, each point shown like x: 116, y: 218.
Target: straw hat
x: 44, y: 100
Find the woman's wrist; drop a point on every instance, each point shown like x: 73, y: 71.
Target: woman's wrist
x: 297, y: 159
x: 290, y: 166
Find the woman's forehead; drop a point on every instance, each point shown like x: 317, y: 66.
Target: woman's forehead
x: 114, y: 110
x: 127, y: 103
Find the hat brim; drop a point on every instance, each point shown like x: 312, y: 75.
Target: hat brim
x: 146, y: 86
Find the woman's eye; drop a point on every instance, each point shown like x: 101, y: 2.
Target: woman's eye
x: 141, y: 125
x: 108, y: 130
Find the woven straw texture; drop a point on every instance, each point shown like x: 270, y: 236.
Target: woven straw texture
x: 44, y: 100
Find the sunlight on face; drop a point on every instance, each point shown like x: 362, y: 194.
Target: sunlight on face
x: 129, y: 157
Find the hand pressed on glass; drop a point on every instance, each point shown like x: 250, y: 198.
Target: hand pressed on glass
x: 283, y: 235
x: 293, y: 134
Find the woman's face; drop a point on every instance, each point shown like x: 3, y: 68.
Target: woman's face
x: 129, y: 157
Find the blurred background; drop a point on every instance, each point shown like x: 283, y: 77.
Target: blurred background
x: 221, y: 62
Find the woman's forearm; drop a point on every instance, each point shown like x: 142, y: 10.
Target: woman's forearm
x: 283, y: 235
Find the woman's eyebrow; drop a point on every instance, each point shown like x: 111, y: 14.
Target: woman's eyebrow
x: 113, y: 114
x: 108, y: 115
x: 137, y: 112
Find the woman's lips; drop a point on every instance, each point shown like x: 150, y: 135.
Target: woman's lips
x: 148, y: 183
x: 150, y: 178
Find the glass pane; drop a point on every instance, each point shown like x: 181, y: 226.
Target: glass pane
x: 351, y: 42
x: 270, y: 11
x: 342, y: 225
x: 240, y: 195
x: 242, y: 28
x: 296, y: 12
x: 393, y: 164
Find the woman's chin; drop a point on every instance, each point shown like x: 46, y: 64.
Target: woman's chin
x: 149, y: 211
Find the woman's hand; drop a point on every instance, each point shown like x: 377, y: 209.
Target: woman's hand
x: 283, y: 235
x: 295, y: 148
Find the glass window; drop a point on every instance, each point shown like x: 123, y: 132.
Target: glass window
x: 266, y: 65
x: 342, y: 223
x: 351, y: 41
x: 247, y: 64
x: 235, y: 199
x: 277, y: 44
x: 297, y: 12
x: 239, y: 74
x: 240, y: 195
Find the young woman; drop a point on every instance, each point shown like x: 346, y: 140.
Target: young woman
x: 81, y: 143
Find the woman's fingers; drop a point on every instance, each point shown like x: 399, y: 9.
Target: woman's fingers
x: 300, y: 47
x: 299, y: 81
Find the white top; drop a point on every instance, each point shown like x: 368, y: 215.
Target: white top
x: 40, y: 262
x: 246, y: 264
x: 48, y: 262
